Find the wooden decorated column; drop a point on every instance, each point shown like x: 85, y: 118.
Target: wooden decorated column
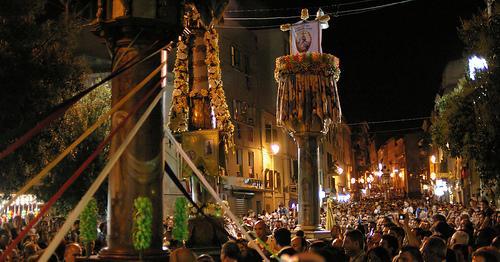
x: 133, y: 29
x: 307, y: 107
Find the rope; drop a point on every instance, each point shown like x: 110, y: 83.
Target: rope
x: 212, y: 192
x: 60, y: 109
x: 75, y: 143
x: 77, y: 173
x: 73, y: 216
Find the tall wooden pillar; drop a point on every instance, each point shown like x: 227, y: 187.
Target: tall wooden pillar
x: 132, y: 30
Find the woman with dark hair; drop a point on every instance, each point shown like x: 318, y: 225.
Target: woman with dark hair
x: 378, y: 254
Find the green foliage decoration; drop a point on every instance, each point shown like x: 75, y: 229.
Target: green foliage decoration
x: 180, y: 231
x: 39, y: 69
x: 468, y: 120
x: 88, y: 222
x: 143, y: 223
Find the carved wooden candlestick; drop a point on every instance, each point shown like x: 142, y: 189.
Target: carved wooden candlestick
x: 307, y: 106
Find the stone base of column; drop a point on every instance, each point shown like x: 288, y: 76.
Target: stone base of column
x: 126, y: 255
x: 317, y: 234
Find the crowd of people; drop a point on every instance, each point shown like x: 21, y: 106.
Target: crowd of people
x: 38, y: 238
x: 370, y: 230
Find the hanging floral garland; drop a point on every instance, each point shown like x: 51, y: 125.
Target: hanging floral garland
x: 179, y: 110
x: 307, y: 81
x: 216, y: 91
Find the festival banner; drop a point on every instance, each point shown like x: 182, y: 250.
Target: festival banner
x: 305, y: 37
x: 202, y: 147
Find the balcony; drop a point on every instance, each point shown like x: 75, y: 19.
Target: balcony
x: 244, y: 183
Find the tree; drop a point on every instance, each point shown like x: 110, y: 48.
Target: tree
x: 468, y: 121
x: 39, y: 70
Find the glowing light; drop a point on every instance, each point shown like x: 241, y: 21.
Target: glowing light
x: 441, y: 188
x: 344, y: 198
x: 433, y: 176
x: 353, y: 180
x: 379, y: 173
x: 433, y: 159
x: 401, y: 175
x: 361, y: 180
x: 393, y: 175
x: 340, y: 170
x: 380, y: 166
x: 476, y: 64
x: 275, y: 148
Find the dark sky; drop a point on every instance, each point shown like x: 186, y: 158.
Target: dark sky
x: 392, y: 59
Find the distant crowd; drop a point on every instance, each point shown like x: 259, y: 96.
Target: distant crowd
x: 369, y: 230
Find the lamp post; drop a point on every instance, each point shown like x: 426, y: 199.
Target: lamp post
x: 275, y: 148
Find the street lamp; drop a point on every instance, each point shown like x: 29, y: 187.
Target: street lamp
x: 476, y: 64
x: 275, y: 148
x: 433, y: 159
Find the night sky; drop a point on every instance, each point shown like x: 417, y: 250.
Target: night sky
x: 391, y: 59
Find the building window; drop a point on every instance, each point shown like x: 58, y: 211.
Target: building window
x: 268, y: 133
x: 295, y: 174
x: 268, y: 177
x: 251, y: 164
x: 277, y: 185
x: 235, y: 57
x: 329, y: 161
x: 250, y: 134
x: 246, y: 64
x: 238, y: 131
x: 239, y: 156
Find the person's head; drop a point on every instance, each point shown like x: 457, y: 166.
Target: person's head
x: 459, y: 237
x: 230, y: 252
x: 283, y: 237
x: 72, y: 251
x: 260, y: 229
x: 205, y: 258
x: 433, y: 249
x: 399, y: 233
x: 353, y: 242
x: 390, y: 243
x: 409, y: 254
x: 378, y: 254
x: 299, y: 244
x: 335, y: 231
x: 438, y: 217
x: 182, y: 255
x: 442, y: 229
x: 484, y: 204
x: 308, y: 257
x: 486, y: 254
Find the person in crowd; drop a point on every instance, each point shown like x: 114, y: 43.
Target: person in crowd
x: 390, y: 243
x: 182, y: 255
x: 409, y: 254
x: 354, y: 245
x: 205, y: 258
x: 462, y: 252
x: 283, y: 242
x: 261, y: 230
x: 299, y: 244
x: 230, y: 252
x: 433, y: 249
x: 377, y: 254
x: 486, y: 254
x: 459, y: 237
